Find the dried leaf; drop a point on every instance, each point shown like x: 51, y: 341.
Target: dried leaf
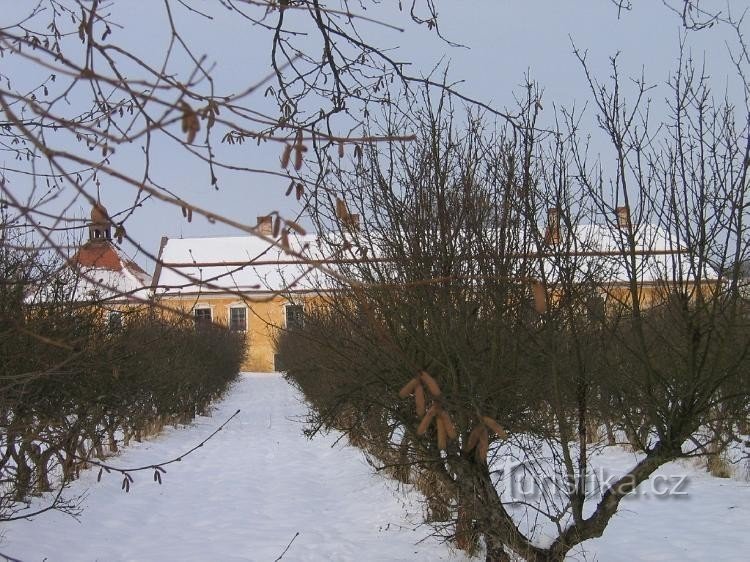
x: 190, y: 123
x: 276, y: 226
x: 540, y: 297
x: 190, y: 214
x: 300, y: 191
x: 342, y: 210
x: 341, y: 149
x: 297, y: 228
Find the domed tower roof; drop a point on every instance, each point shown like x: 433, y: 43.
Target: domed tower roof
x: 99, y: 213
x: 100, y: 228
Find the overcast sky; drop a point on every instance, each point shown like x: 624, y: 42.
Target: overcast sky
x: 504, y: 39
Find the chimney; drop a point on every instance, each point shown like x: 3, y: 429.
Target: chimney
x: 552, y: 233
x: 265, y: 225
x: 623, y: 217
x: 352, y: 221
x: 349, y: 220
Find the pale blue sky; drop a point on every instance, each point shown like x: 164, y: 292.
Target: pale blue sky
x: 504, y: 39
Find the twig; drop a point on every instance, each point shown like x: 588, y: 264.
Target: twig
x: 158, y: 466
x: 287, y: 547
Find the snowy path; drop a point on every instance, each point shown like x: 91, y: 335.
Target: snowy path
x: 242, y: 497
x: 246, y: 493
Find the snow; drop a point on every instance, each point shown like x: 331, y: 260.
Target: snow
x: 275, y: 270
x: 706, y: 521
x: 242, y: 496
x: 245, y: 494
x: 251, y: 265
x: 104, y: 284
x: 680, y: 513
x: 669, y: 261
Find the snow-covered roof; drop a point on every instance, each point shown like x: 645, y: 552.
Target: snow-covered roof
x: 249, y: 264
x: 103, y: 272
x: 604, y: 254
x: 246, y: 264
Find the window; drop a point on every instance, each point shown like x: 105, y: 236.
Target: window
x: 114, y: 321
x: 238, y: 319
x: 202, y: 316
x: 595, y: 307
x: 295, y: 316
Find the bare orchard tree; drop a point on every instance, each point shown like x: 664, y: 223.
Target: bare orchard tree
x: 457, y: 285
x: 83, y: 105
x: 532, y: 307
x: 75, y: 387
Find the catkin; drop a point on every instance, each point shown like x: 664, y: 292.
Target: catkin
x: 450, y: 429
x: 483, y: 446
x: 408, y: 388
x: 286, y: 155
x: 495, y: 427
x: 419, y: 399
x: 427, y: 419
x: 431, y: 383
x: 473, y: 439
x: 441, y: 437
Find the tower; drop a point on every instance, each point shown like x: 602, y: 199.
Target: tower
x: 100, y: 227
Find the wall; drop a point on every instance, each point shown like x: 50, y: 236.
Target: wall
x: 264, y: 318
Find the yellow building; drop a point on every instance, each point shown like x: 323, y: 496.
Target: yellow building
x: 241, y: 282
x: 251, y: 286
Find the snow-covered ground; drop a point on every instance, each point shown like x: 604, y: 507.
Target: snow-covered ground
x: 242, y: 496
x: 250, y: 489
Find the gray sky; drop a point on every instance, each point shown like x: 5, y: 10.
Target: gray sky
x: 504, y: 40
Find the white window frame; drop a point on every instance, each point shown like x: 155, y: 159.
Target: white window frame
x: 112, y: 324
x: 293, y: 304
x: 203, y: 307
x: 237, y: 306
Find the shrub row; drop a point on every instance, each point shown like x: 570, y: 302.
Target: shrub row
x: 74, y: 388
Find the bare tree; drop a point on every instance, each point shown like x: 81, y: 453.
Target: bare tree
x: 639, y: 333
